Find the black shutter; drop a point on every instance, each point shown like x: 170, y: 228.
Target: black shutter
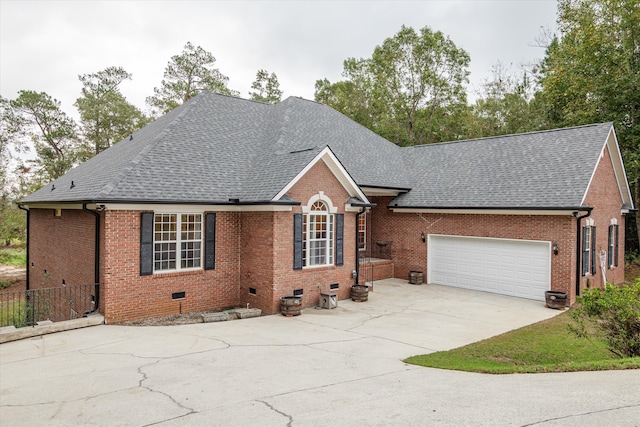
x: 339, y: 239
x: 610, y: 247
x: 146, y: 243
x: 297, y: 241
x: 210, y: 241
x: 615, y: 256
x: 585, y: 252
x: 594, y: 260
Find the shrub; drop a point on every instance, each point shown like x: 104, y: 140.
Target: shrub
x: 611, y: 315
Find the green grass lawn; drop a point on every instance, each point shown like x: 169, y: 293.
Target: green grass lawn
x: 545, y: 346
x: 13, y: 255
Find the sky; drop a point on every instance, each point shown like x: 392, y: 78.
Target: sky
x: 45, y: 45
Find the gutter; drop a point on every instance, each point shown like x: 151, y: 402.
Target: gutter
x: 20, y: 206
x: 491, y: 208
x: 579, y: 244
x: 96, y: 261
x: 230, y: 202
x: 356, y: 276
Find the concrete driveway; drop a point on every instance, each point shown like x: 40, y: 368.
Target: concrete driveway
x: 340, y: 367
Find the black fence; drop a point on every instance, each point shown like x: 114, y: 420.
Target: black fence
x: 26, y: 308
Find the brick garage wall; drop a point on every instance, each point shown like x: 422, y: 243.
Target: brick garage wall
x: 62, y: 246
x: 256, y: 253
x: 129, y: 296
x: 315, y: 279
x: 604, y: 197
x: 410, y: 253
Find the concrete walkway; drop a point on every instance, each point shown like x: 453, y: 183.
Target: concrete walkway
x: 340, y: 367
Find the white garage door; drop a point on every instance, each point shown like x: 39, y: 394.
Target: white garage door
x: 519, y: 268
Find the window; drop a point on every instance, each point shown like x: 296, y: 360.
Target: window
x: 589, y: 264
x: 362, y: 232
x: 317, y: 231
x: 173, y: 249
x: 613, y: 245
x: 318, y: 234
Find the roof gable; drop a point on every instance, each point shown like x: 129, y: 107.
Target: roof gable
x: 334, y: 165
x: 611, y: 144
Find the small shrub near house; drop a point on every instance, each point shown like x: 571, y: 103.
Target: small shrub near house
x: 611, y: 315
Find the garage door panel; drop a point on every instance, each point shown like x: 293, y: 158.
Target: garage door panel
x: 511, y: 267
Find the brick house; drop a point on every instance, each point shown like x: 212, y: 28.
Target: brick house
x: 225, y: 202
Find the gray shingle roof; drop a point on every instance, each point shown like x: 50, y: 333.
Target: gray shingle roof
x: 547, y: 169
x: 215, y: 148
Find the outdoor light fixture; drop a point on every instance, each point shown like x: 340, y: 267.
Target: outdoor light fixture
x: 555, y: 248
x: 424, y: 239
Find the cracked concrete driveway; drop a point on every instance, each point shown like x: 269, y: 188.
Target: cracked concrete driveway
x: 337, y: 367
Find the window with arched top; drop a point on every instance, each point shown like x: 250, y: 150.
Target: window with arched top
x: 318, y: 235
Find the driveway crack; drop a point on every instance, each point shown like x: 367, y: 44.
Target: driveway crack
x: 289, y: 424
x: 145, y: 378
x: 580, y: 415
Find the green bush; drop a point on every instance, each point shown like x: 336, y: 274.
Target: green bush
x: 612, y: 315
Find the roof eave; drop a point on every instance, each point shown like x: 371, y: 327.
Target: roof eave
x: 495, y: 210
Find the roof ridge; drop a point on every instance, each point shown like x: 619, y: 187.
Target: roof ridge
x: 117, y: 179
x: 511, y: 134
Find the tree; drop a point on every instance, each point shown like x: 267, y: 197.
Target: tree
x: 591, y: 73
x: 266, y: 88
x: 413, y: 88
x: 353, y: 96
x: 186, y: 75
x: 105, y: 115
x: 12, y: 220
x: 5, y: 154
x: 36, y: 117
x: 506, y: 105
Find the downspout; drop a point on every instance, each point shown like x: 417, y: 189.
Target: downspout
x: 96, y: 262
x: 28, y: 223
x: 357, y: 275
x: 579, y: 248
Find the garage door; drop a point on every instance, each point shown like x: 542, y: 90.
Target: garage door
x: 519, y: 268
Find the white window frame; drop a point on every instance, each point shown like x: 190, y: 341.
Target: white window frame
x: 310, y: 232
x: 588, y: 247
x: 612, y: 239
x: 362, y: 232
x: 185, y: 239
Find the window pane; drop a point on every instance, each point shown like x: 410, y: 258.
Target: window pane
x: 318, y: 228
x: 167, y: 239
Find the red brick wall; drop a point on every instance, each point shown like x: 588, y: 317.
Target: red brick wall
x: 63, y: 246
x: 604, y: 196
x: 253, y: 250
x: 256, y: 254
x: 410, y: 253
x: 312, y: 280
x: 129, y: 296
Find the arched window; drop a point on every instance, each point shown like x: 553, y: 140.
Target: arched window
x: 318, y: 230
